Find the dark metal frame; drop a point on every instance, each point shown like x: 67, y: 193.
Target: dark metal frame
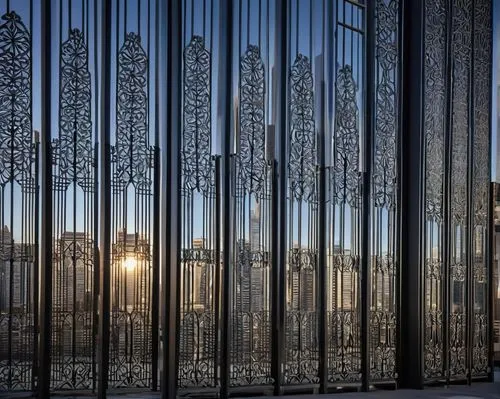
x: 46, y: 192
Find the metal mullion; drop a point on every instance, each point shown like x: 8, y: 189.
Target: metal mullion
x: 490, y: 226
x: 172, y: 133
x: 469, y: 252
x: 398, y: 223
x: 46, y: 203
x: 155, y: 294
x: 447, y: 195
x: 369, y: 83
x: 105, y: 201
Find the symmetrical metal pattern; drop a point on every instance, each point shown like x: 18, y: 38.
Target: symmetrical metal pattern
x: 197, y: 168
x: 269, y: 237
x: 74, y: 314
x: 132, y: 153
x: 384, y: 270
x: 344, y: 199
x: 346, y: 171
x: 434, y: 127
x: 74, y: 148
x: 16, y: 154
x: 132, y: 159
x: 301, y: 324
x: 199, y: 285
x: 461, y: 39
x: 302, y: 162
x: 18, y: 211
x: 480, y: 178
x: 251, y: 160
x: 250, y: 340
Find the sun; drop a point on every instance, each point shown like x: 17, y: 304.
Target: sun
x: 129, y: 263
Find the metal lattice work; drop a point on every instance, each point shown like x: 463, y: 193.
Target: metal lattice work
x: 250, y: 337
x: 434, y: 125
x: 199, y: 284
x: 384, y: 269
x: 131, y: 240
x: 344, y: 356
x: 74, y: 313
x: 301, y: 326
x: 461, y: 37
x: 344, y: 245
x: 480, y: 196
x: 18, y: 209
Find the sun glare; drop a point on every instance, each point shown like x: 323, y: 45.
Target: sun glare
x: 129, y: 263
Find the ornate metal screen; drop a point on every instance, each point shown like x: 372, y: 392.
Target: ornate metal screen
x: 250, y: 337
x: 301, y: 320
x: 434, y: 127
x: 18, y: 204
x: 132, y: 200
x: 74, y: 301
x: 456, y: 329
x: 344, y: 345
x: 200, y: 244
x: 481, y: 222
x: 288, y: 135
x: 458, y: 233
x: 385, y: 201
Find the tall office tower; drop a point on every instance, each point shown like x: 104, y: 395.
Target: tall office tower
x: 72, y: 277
x: 255, y: 229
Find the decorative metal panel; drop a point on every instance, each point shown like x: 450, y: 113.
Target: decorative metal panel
x: 344, y: 197
x: 199, y: 285
x: 74, y: 297
x: 250, y: 335
x: 480, y: 183
x: 461, y: 53
x: 346, y: 171
x: 301, y: 324
x: 18, y: 209
x: 384, y: 269
x: 131, y: 225
x: 251, y: 160
x: 434, y: 135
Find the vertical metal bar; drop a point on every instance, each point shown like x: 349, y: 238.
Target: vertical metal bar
x: 173, y: 199
x: 225, y: 46
x: 96, y: 258
x: 276, y: 278
x: 412, y: 189
x: 470, y: 212
x: 399, y: 197
x: 218, y: 264
x: 322, y: 256
x: 46, y: 203
x: 490, y: 236
x: 280, y: 84
x: 96, y: 277
x: 155, y: 294
x: 447, y: 190
x: 369, y: 84
x: 489, y: 259
x: 105, y: 200
x: 36, y: 263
